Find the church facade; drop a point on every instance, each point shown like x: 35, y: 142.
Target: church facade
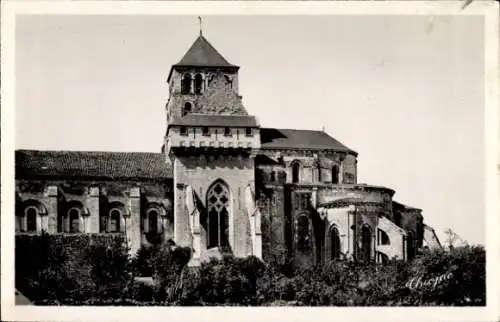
x: 222, y: 184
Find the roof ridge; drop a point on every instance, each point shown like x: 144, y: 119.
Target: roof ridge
x: 289, y: 129
x: 211, y: 46
x: 201, y: 46
x: 86, y: 151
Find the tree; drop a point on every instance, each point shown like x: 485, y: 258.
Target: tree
x: 453, y: 239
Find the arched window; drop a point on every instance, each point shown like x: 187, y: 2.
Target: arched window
x: 153, y: 221
x: 187, y: 109
x: 334, y: 243
x: 366, y: 242
x: 198, y: 83
x: 383, y: 238
x: 186, y: 84
x: 335, y: 174
x: 273, y: 176
x: 229, y: 81
x: 219, y: 208
x: 31, y: 218
x: 114, y: 221
x: 211, y: 77
x: 295, y: 172
x: 74, y: 220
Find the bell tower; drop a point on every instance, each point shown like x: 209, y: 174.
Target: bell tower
x: 211, y: 142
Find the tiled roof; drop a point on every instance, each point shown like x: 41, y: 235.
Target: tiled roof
x: 299, y: 139
x: 398, y: 205
x: 203, y: 54
x: 132, y: 165
x: 216, y: 120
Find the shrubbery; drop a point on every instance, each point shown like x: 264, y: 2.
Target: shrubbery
x: 46, y: 274
x: 455, y: 277
x: 67, y: 269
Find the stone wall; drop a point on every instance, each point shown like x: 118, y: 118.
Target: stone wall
x: 271, y: 202
x: 94, y: 199
x: 315, y: 166
x: 200, y: 173
x: 365, y: 193
x: 219, y: 95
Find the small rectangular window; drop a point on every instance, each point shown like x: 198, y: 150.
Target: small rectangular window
x: 184, y: 130
x: 227, y: 131
x: 248, y: 131
x: 206, y: 131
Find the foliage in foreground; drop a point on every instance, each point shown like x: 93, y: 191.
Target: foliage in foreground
x: 454, y: 277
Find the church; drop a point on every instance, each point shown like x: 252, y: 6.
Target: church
x: 220, y: 184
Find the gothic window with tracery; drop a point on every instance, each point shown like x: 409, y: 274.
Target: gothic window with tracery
x: 218, y: 207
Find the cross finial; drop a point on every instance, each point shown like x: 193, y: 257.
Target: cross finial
x: 199, y: 19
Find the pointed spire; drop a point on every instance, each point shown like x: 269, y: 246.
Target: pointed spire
x: 202, y: 53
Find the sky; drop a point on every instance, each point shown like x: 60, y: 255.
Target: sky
x: 405, y: 92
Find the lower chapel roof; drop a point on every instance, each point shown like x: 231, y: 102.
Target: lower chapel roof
x: 144, y: 165
x: 91, y: 164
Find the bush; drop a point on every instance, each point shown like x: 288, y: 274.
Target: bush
x: 53, y: 269
x: 110, y: 269
x: 143, y: 261
x: 168, y: 263
x: 65, y: 268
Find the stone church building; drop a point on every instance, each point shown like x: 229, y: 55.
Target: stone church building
x: 220, y: 184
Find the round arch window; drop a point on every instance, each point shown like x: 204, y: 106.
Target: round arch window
x: 114, y: 225
x: 186, y: 84
x: 334, y: 243
x: 74, y: 220
x: 198, y: 83
x: 295, y: 172
x: 153, y: 220
x: 31, y: 218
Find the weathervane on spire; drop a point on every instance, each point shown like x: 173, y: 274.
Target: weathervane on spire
x: 199, y: 19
